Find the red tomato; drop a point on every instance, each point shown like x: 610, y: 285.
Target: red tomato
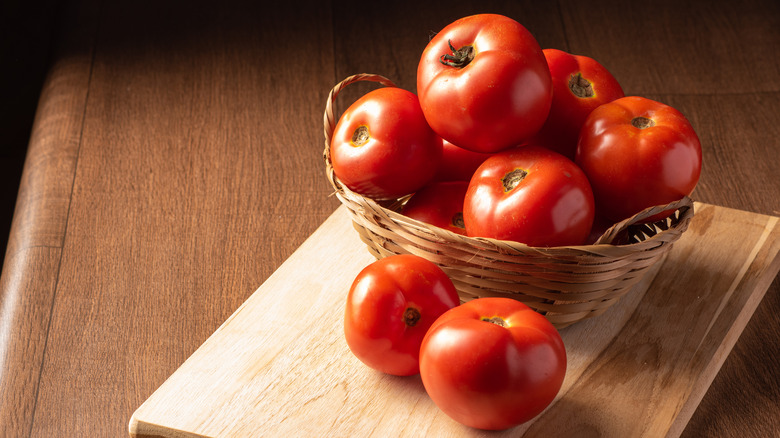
x: 458, y: 164
x: 492, y: 363
x: 532, y: 195
x: 439, y: 204
x: 484, y: 84
x: 638, y: 153
x: 600, y: 226
x: 382, y: 147
x: 390, y: 307
x: 580, y: 85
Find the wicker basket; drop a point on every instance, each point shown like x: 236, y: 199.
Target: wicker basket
x: 566, y: 284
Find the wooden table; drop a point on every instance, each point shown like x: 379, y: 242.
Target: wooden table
x: 176, y: 161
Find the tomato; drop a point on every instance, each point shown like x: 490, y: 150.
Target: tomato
x: 439, y: 204
x: 638, y: 153
x: 532, y: 195
x: 382, y: 146
x: 390, y: 306
x: 580, y: 85
x: 484, y: 84
x: 600, y: 226
x: 492, y: 363
x: 458, y: 164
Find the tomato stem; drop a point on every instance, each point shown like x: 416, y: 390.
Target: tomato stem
x: 497, y: 320
x: 580, y: 86
x: 411, y: 316
x: 360, y: 136
x: 459, y: 58
x: 457, y: 220
x: 513, y: 178
x: 642, y: 122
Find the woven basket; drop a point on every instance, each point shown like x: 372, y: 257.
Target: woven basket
x: 566, y: 284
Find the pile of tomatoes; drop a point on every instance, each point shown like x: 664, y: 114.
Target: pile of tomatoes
x: 490, y: 363
x: 507, y: 141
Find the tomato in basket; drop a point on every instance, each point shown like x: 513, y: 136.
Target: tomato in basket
x: 492, y: 363
x: 484, y: 84
x: 580, y: 85
x: 458, y: 164
x: 439, y: 204
x: 638, y: 153
x: 390, y: 306
x: 532, y: 195
x: 382, y: 146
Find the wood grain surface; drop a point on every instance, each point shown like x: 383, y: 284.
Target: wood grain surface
x: 638, y: 370
x: 175, y: 163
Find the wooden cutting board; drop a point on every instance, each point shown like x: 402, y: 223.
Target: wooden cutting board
x: 279, y: 366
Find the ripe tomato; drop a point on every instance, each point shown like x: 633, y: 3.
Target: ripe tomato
x: 439, y: 204
x: 484, y: 84
x: 458, y: 164
x: 390, y: 306
x: 638, y: 153
x: 580, y: 85
x: 382, y: 147
x: 492, y: 363
x: 532, y: 195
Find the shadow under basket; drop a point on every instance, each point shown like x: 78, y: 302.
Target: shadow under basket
x: 567, y: 284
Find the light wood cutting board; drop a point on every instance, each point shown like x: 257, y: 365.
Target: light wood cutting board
x: 279, y: 366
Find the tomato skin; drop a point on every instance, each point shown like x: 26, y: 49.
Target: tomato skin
x: 401, y: 152
x: 458, y: 164
x: 632, y: 168
x: 488, y: 376
x: 376, y: 327
x: 572, y: 100
x: 439, y: 204
x: 552, y: 206
x: 498, y: 99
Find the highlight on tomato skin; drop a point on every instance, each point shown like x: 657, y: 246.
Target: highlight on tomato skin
x: 492, y: 363
x: 390, y: 306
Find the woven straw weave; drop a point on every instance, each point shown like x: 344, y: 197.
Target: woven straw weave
x: 566, y: 284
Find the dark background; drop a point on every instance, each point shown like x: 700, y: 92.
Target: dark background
x: 26, y: 32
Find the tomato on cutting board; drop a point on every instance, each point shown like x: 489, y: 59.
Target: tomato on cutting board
x: 390, y: 306
x: 492, y: 363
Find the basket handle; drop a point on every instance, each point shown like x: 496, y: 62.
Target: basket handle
x: 329, y: 118
x: 614, y: 234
